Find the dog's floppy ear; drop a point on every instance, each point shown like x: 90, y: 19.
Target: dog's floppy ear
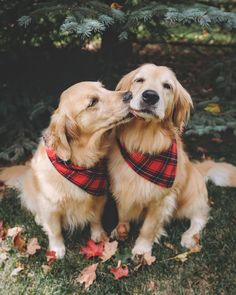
x: 182, y: 108
x: 56, y: 135
x: 125, y: 83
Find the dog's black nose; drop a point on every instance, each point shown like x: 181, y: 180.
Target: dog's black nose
x: 127, y: 96
x: 150, y: 97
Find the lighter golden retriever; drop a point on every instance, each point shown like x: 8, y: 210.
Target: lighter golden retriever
x: 161, y: 106
x: 78, y: 135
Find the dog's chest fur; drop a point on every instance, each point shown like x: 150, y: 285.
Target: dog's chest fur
x: 128, y: 186
x: 75, y: 206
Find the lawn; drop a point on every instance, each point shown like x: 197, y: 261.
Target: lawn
x: 211, y: 271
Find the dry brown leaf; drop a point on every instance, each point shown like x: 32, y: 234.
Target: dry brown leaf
x: 17, y: 270
x: 196, y: 249
x: 46, y: 268
x: 109, y: 250
x: 87, y: 275
x: 19, y: 243
x: 148, y: 258
x: 33, y: 246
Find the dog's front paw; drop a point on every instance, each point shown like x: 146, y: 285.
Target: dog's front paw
x: 121, y: 232
x: 60, y: 250
x: 141, y: 247
x: 188, y: 241
x: 98, y: 235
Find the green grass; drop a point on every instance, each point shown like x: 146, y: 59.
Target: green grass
x: 212, y: 271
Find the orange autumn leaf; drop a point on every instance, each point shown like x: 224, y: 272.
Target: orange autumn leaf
x: 19, y: 243
x: 92, y: 249
x: 88, y: 275
x: 116, y: 5
x: 33, y: 246
x: 120, y: 271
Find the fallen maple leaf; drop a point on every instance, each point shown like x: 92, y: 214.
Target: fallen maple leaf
x: 92, y: 249
x: 119, y: 271
x: 51, y: 257
x: 148, y: 258
x: 18, y: 242
x: 109, y: 250
x: 87, y: 275
x: 18, y: 269
x: 33, y: 246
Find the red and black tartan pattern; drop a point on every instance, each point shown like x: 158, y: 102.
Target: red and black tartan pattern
x: 92, y: 180
x: 159, y: 169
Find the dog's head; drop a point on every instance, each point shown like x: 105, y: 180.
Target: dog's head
x: 157, y: 94
x: 85, y: 108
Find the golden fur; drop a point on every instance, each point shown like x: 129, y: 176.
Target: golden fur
x: 152, y: 132
x: 78, y: 132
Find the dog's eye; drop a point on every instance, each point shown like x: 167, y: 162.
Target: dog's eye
x: 139, y: 80
x: 93, y: 101
x: 167, y: 86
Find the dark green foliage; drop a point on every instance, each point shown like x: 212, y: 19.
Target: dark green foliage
x: 35, y: 32
x: 223, y: 75
x: 65, y: 23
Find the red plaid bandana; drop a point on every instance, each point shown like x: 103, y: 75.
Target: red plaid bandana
x: 92, y: 180
x: 159, y: 169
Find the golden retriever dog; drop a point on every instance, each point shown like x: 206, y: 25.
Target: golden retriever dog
x: 142, y: 189
x: 65, y: 183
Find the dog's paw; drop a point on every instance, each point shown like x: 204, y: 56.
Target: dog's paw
x: 141, y: 247
x: 121, y: 232
x: 188, y: 241
x: 60, y: 251
x: 98, y: 235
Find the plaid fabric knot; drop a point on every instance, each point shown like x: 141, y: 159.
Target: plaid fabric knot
x: 159, y: 169
x: 92, y: 180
